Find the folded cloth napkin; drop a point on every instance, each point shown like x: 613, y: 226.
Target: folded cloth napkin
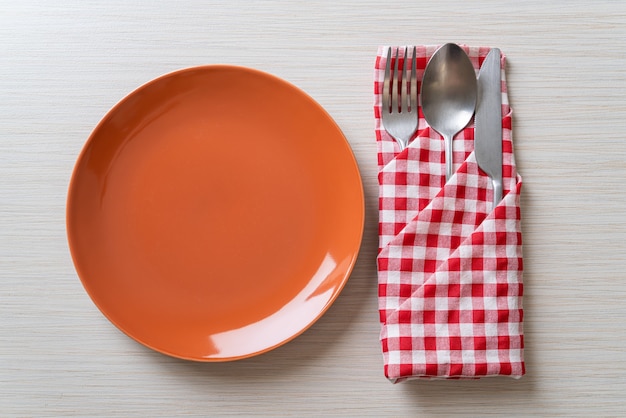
x: 449, y: 267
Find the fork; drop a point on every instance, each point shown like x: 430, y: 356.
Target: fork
x: 399, y: 101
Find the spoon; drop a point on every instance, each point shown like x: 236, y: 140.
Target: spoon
x: 449, y: 93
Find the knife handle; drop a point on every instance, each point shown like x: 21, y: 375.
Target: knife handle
x: 497, y: 191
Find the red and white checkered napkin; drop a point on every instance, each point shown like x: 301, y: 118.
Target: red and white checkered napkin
x: 449, y: 268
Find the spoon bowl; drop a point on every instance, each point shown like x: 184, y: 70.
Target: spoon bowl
x: 449, y: 91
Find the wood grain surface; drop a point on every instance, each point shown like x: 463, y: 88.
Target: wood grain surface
x: 63, y: 64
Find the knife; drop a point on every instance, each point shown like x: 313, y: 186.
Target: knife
x: 488, y: 122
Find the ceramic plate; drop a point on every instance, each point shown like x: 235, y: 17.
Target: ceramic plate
x: 215, y: 213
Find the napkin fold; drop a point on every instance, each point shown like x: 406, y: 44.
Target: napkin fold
x: 449, y: 267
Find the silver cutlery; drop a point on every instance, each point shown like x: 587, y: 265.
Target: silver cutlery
x: 488, y: 122
x: 449, y: 95
x: 399, y: 98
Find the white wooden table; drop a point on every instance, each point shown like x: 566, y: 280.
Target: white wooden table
x: 64, y: 64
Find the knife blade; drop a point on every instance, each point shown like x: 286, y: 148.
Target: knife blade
x: 488, y: 122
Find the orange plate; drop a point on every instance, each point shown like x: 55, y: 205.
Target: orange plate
x: 215, y: 213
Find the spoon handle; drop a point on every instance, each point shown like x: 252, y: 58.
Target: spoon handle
x: 447, y: 143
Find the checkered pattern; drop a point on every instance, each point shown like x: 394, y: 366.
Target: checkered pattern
x: 449, y: 267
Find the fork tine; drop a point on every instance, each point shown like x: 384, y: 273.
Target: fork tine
x: 404, y: 92
x: 395, y: 83
x: 413, y: 94
x: 387, y: 83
